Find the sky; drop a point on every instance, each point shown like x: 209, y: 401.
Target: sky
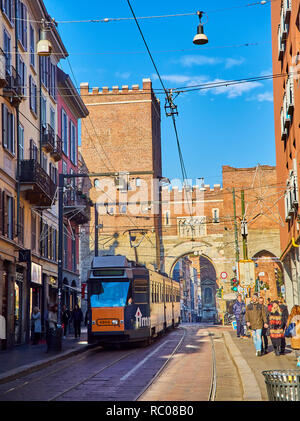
x: 225, y: 126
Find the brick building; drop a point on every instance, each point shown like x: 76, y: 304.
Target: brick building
x: 286, y: 61
x: 122, y: 138
x: 195, y: 222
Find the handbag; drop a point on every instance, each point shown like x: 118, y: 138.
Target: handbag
x: 290, y: 331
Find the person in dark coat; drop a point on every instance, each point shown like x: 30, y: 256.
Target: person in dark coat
x: 77, y: 318
x: 239, y: 309
x: 277, y: 323
x: 285, y: 315
x: 264, y: 337
x: 256, y: 319
x: 65, y: 317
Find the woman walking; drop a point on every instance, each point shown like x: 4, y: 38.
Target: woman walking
x: 37, y: 325
x: 294, y: 317
x: 77, y: 318
x: 276, y: 323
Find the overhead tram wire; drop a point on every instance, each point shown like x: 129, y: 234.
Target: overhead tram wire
x: 183, y: 169
x: 106, y: 20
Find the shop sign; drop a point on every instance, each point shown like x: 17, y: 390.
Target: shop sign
x: 36, y: 273
x: 53, y: 281
x: 19, y: 277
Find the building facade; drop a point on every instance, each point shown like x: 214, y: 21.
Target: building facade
x: 70, y: 108
x: 286, y: 62
x: 40, y: 109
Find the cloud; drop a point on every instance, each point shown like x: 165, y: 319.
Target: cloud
x: 192, y: 60
x: 265, y: 96
x: 180, y: 79
x: 124, y: 75
x: 232, y: 62
x: 233, y: 91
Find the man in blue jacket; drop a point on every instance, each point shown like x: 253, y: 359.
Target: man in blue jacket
x: 239, y: 309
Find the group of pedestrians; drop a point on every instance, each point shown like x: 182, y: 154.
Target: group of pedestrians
x: 67, y: 317
x: 270, y: 320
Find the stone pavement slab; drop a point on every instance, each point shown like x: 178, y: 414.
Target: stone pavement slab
x: 187, y: 377
x: 27, y: 358
x: 266, y: 362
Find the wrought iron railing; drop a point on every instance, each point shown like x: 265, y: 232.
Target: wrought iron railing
x: 33, y: 173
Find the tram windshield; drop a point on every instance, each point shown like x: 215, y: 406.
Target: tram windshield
x: 109, y: 294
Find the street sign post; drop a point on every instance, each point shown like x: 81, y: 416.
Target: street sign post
x: 247, y: 273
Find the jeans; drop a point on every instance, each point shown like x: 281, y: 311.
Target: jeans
x: 239, y: 326
x: 264, y: 339
x: 256, y: 335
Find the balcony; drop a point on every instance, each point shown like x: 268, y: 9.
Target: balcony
x: 37, y: 185
x: 2, y: 69
x: 287, y: 8
x: 48, y: 138
x: 13, y: 88
x: 77, y: 207
x: 57, y: 151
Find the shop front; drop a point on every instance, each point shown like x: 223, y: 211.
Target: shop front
x: 18, y: 305
x: 36, y: 288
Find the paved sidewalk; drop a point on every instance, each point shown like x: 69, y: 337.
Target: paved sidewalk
x: 266, y: 362
x: 28, y: 358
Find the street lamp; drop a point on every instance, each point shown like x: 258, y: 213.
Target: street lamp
x: 44, y: 47
x: 200, y: 38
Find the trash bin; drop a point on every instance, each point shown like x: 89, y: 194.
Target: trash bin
x: 283, y: 385
x: 54, y: 340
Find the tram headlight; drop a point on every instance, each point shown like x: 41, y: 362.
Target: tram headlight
x: 115, y: 322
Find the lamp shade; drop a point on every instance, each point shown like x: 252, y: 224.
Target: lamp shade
x: 200, y: 38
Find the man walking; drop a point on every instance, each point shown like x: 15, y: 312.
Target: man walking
x: 239, y: 309
x: 264, y: 337
x: 285, y: 315
x: 256, y: 319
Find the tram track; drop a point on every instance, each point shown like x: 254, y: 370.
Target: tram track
x: 116, y: 362
x: 213, y: 386
x: 163, y: 367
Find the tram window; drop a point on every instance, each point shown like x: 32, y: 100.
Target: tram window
x: 109, y: 294
x: 141, y: 292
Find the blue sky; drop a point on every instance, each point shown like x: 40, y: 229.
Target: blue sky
x: 226, y: 126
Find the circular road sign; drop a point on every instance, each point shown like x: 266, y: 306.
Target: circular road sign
x: 223, y: 275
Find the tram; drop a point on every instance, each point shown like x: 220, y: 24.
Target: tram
x: 128, y: 302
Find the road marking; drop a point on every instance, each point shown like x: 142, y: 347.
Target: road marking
x: 142, y: 362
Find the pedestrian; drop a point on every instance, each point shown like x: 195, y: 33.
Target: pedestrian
x: 239, y: 309
x: 264, y: 332
x: 269, y: 304
x: 277, y: 322
x: 36, y: 325
x: 285, y: 315
x: 77, y: 318
x: 65, y: 317
x: 256, y: 319
x: 294, y: 317
x: 52, y: 317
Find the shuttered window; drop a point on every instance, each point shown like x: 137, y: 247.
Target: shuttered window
x: 8, y: 129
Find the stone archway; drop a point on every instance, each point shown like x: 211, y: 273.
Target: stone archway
x: 268, y: 270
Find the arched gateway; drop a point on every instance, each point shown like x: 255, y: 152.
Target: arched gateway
x: 197, y: 275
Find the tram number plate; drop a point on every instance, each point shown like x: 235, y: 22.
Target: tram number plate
x: 104, y: 322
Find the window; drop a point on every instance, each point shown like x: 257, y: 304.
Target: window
x: 32, y: 95
x: 73, y: 142
x: 7, y: 8
x: 21, y: 142
x: 7, y: 52
x: 55, y: 245
x: 52, y: 80
x: 52, y: 118
x: 44, y: 70
x: 22, y: 73
x: 167, y: 218
x: 21, y: 17
x: 8, y: 132
x: 64, y: 131
x: 32, y: 46
x: 44, y: 112
x: 8, y: 216
x: 33, y: 150
x: 123, y: 209
x: 21, y: 225
x: 44, y: 161
x: 216, y: 218
x: 33, y: 231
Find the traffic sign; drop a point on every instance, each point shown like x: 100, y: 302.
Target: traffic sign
x: 223, y: 275
x: 247, y: 273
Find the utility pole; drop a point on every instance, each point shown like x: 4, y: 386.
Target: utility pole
x: 244, y: 228
x: 237, y: 252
